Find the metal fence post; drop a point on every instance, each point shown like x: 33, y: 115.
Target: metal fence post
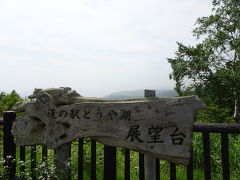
x: 110, y: 163
x: 9, y: 147
x: 93, y: 160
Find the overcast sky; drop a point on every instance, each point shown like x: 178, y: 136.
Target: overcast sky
x: 94, y: 46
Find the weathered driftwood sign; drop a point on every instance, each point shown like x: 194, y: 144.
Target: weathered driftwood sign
x: 158, y: 127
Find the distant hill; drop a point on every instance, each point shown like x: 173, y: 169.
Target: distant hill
x: 139, y: 94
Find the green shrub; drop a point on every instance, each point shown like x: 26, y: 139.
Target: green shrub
x: 7, y: 101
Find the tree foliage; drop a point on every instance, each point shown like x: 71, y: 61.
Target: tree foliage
x: 8, y: 100
x: 2, y: 94
x: 211, y: 67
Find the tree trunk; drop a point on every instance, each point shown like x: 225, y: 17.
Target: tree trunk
x: 237, y: 111
x: 236, y: 115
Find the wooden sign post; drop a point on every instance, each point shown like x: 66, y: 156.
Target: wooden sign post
x: 149, y: 161
x: 157, y: 127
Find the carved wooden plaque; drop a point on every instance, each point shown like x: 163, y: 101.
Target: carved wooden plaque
x: 158, y: 127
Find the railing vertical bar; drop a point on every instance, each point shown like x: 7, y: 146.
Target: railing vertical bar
x: 225, y: 156
x: 80, y: 159
x: 44, y: 159
x: 190, y: 169
x: 93, y: 159
x: 9, y: 147
x: 157, y: 169
x: 110, y: 163
x: 127, y: 165
x: 44, y: 154
x: 141, y: 167
x: 33, y: 155
x: 172, y: 171
x: 206, y: 148
x: 70, y: 165
x: 22, y: 158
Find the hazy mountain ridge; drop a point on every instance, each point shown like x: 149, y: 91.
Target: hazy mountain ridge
x: 121, y: 95
x: 139, y: 94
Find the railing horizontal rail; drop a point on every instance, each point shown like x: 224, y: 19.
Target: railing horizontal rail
x: 216, y: 128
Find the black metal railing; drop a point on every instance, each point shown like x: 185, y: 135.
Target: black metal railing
x: 224, y: 130
x: 9, y: 153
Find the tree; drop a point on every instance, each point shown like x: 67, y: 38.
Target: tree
x: 8, y: 100
x: 2, y: 94
x: 211, y: 68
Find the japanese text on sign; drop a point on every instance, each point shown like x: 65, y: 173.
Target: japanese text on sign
x: 155, y: 135
x: 87, y: 114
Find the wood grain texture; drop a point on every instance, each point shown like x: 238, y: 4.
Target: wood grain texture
x: 158, y: 127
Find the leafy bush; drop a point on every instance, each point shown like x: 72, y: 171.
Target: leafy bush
x: 7, y: 101
x: 215, y: 114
